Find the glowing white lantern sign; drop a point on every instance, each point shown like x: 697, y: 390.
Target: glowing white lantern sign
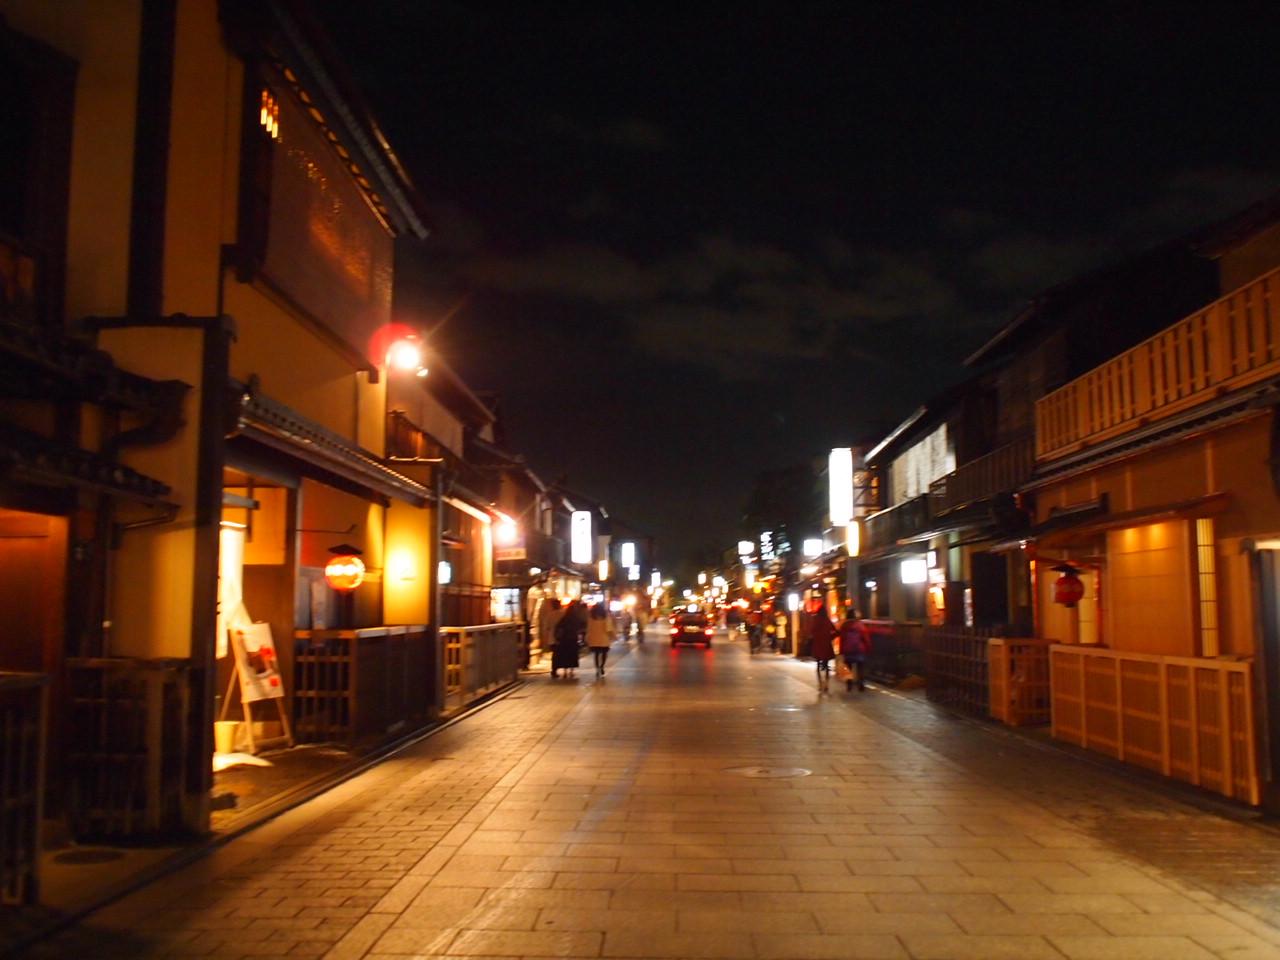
x: 840, y: 479
x: 580, y: 536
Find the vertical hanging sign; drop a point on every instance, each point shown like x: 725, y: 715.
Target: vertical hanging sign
x: 840, y: 477
x: 580, y: 536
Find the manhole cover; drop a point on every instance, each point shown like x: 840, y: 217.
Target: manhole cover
x: 769, y: 773
x: 87, y: 856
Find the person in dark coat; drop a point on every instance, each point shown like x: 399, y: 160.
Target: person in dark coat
x: 855, y: 644
x: 821, y: 632
x: 568, y: 631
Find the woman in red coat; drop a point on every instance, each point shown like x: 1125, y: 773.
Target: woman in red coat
x: 821, y: 633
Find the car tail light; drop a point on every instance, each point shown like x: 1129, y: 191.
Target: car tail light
x: 709, y: 631
x: 674, y: 631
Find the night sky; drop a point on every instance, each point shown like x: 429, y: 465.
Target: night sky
x: 685, y: 246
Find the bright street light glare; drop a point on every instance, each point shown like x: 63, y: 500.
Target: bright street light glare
x: 404, y: 355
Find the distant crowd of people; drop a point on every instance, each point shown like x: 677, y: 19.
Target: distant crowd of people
x: 566, y: 628
x: 821, y: 638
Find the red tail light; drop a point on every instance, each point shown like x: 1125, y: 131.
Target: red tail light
x: 674, y: 631
x: 709, y: 631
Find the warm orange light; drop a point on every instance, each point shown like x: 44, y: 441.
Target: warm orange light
x: 269, y: 115
x: 1068, y: 589
x: 404, y: 355
x: 505, y: 532
x: 344, y: 572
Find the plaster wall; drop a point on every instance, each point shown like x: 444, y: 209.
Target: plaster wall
x: 427, y: 412
x: 202, y: 161
x: 152, y: 587
x: 410, y: 565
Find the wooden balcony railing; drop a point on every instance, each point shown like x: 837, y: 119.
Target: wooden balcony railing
x: 1188, y: 718
x: 902, y: 520
x: 1226, y: 346
x: 1001, y: 471
x: 23, y: 707
x: 407, y: 441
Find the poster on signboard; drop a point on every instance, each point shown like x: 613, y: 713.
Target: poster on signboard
x: 256, y: 663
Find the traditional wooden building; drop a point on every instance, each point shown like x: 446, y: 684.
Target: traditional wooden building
x: 1155, y: 486
x: 198, y: 257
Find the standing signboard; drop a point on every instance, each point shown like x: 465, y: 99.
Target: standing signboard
x: 257, y: 673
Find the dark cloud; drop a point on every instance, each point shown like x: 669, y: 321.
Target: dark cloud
x: 572, y: 271
x: 636, y: 134
x: 1018, y: 263
x: 732, y: 307
x: 1189, y: 198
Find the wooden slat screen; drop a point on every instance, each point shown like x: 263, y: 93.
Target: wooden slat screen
x: 1228, y: 345
x: 1187, y: 718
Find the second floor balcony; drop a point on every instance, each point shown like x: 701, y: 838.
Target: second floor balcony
x: 902, y: 521
x: 1002, y: 470
x: 535, y: 550
x: 1229, y: 345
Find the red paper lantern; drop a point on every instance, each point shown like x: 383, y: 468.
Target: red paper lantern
x: 1068, y: 589
x: 344, y: 572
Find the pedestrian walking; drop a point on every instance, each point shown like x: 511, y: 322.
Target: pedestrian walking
x: 549, y: 613
x: 755, y: 621
x: 780, y: 643
x: 599, y: 636
x: 855, y: 644
x: 821, y: 634
x: 568, y: 633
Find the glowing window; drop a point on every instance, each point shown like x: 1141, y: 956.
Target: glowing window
x: 269, y: 114
x: 914, y: 570
x: 1207, y: 568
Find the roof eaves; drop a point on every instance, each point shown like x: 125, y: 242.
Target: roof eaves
x: 323, y: 75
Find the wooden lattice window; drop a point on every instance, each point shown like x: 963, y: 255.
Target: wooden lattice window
x: 1207, y: 574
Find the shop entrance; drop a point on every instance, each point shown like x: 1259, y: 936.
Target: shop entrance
x: 33, y: 590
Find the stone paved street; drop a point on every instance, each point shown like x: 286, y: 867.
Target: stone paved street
x: 628, y: 818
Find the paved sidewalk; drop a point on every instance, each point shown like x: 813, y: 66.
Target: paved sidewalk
x: 640, y: 816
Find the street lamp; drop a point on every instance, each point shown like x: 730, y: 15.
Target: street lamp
x: 505, y: 532
x: 405, y: 355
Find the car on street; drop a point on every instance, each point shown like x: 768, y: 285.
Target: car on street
x: 691, y: 626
